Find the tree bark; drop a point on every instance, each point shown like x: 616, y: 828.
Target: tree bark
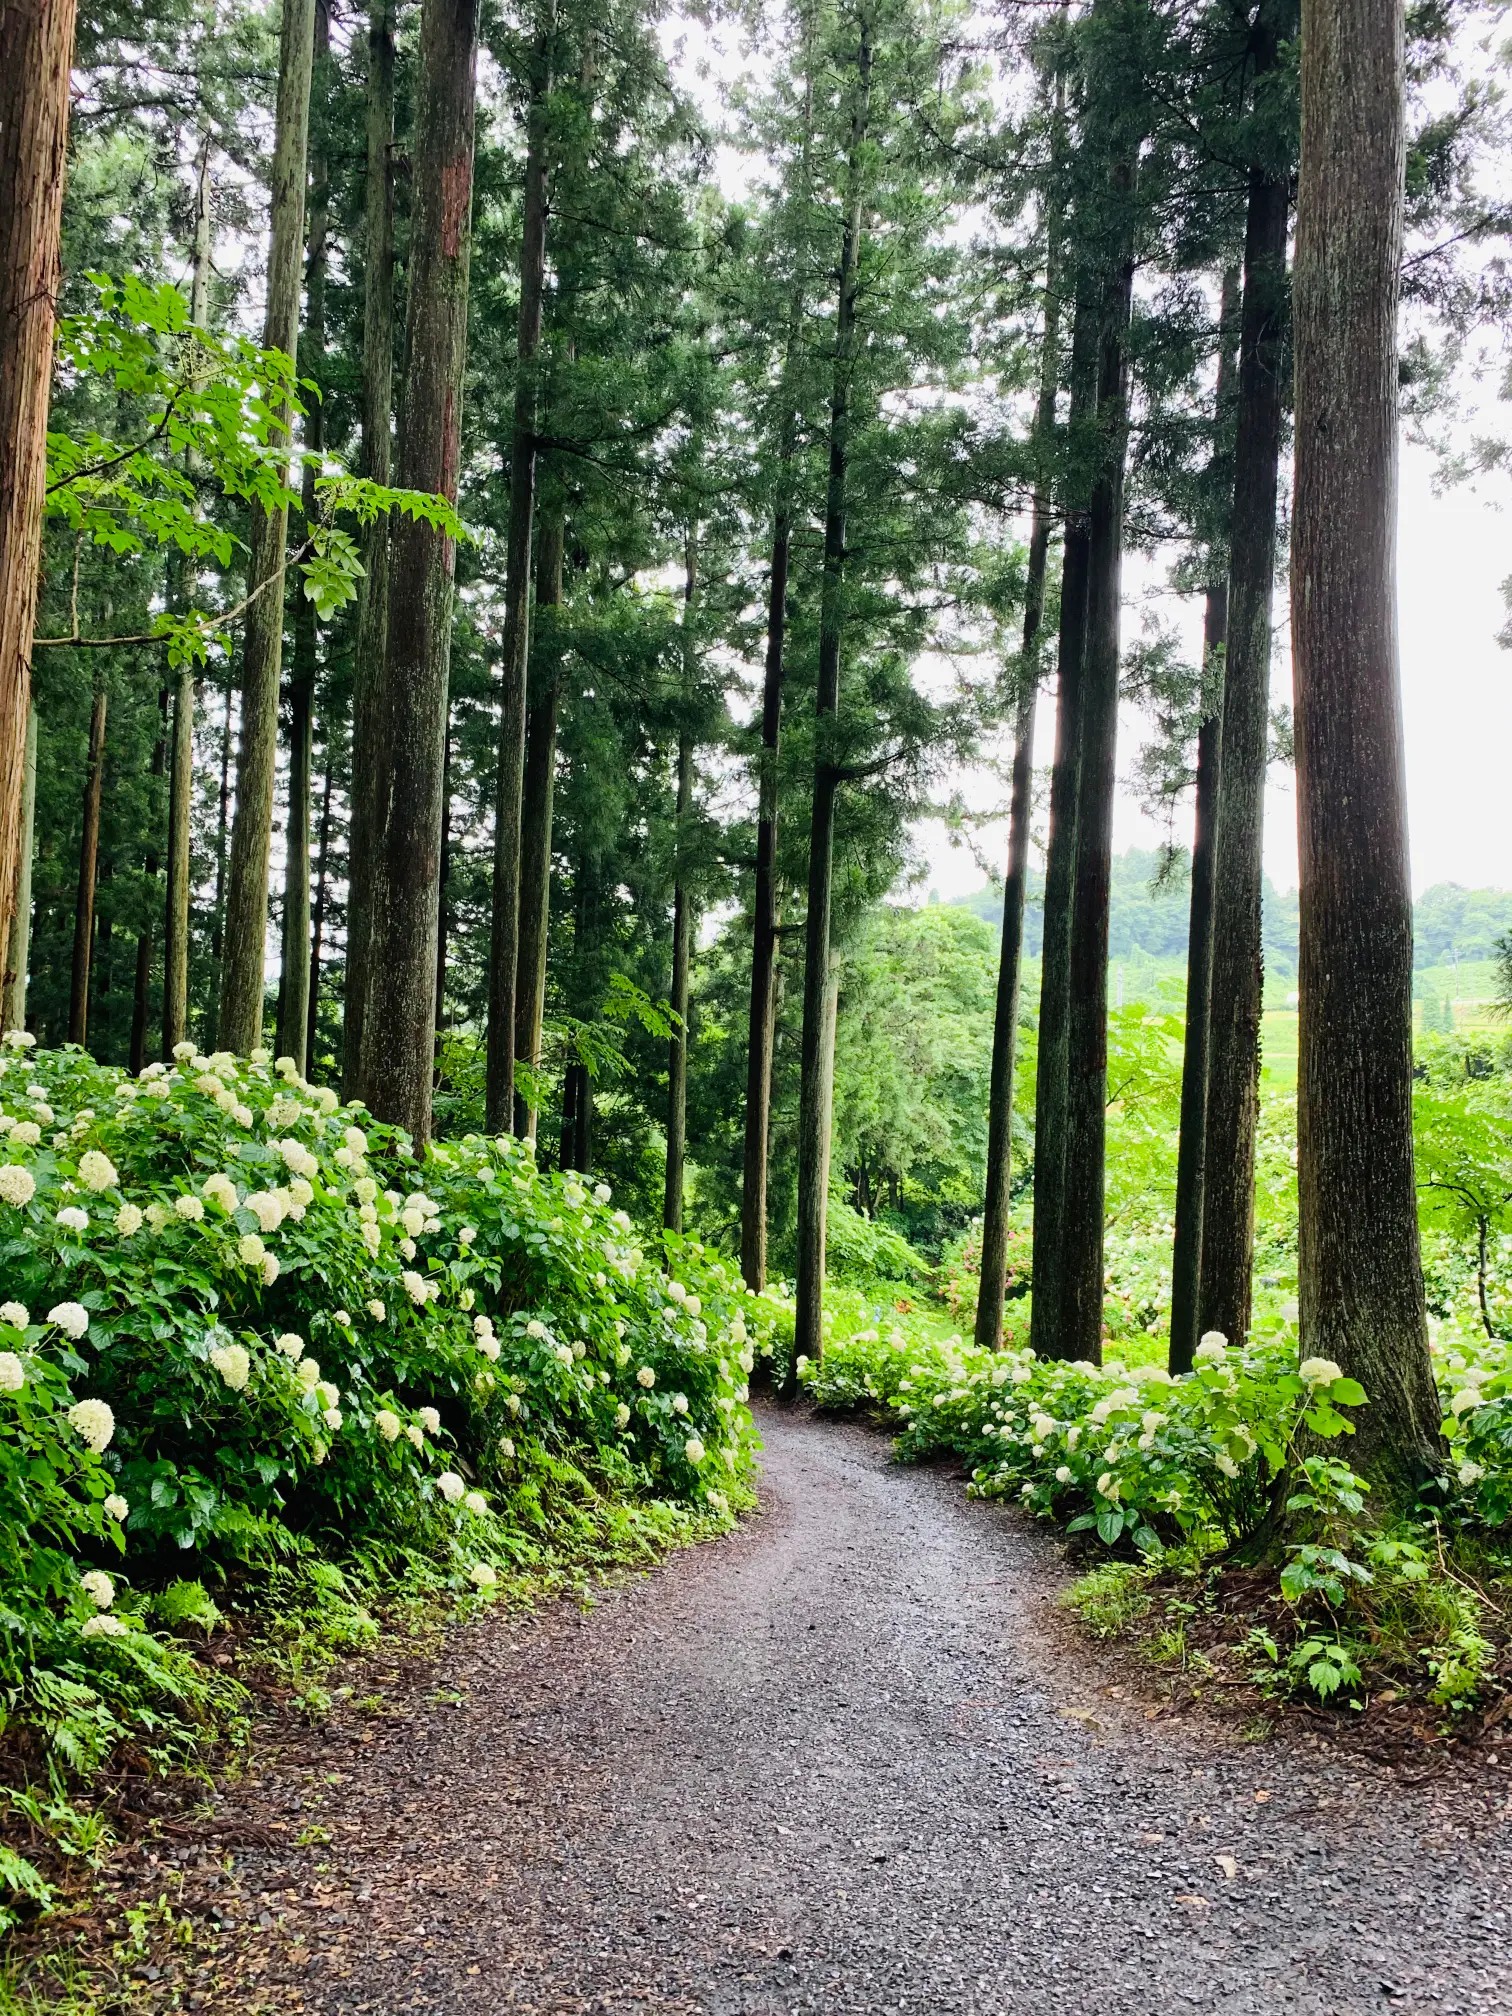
x: 1359, y: 1266
x: 1081, y: 1210
x: 89, y: 858
x: 136, y: 1054
x: 317, y: 919
x: 246, y: 927
x: 181, y: 754
x: 443, y: 878
x: 1186, y: 1248
x: 294, y: 959
x: 18, y: 959
x: 399, y: 1012
x: 36, y: 48
x: 372, y: 606
x: 1060, y: 863
x: 503, y: 951
x: 682, y: 925
x: 996, y: 1206
x: 536, y: 818
x: 817, y: 1071
x: 1238, y: 978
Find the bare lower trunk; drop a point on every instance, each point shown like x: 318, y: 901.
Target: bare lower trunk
x: 36, y: 48
x: 89, y: 859
x: 317, y: 919
x: 1060, y: 866
x: 18, y: 960
x: 818, y: 1063
x: 1358, y: 1262
x: 503, y: 952
x: 536, y: 819
x: 682, y: 933
x: 1233, y: 1091
x: 1081, y: 1240
x: 1186, y: 1247
x: 246, y: 924
x: 997, y: 1203
x: 372, y: 606
x: 399, y: 1010
x: 136, y: 1055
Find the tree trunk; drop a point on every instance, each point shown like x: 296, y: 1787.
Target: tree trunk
x: 294, y: 959
x: 89, y: 858
x: 1359, y: 1267
x: 1186, y: 1248
x: 317, y: 920
x: 682, y: 927
x: 503, y: 950
x: 1233, y: 1092
x: 1081, y: 1210
x: 246, y: 926
x: 36, y: 48
x: 222, y: 833
x: 18, y: 958
x: 181, y: 756
x: 994, y: 1275
x: 443, y: 879
x: 1060, y: 863
x: 136, y: 1054
x: 535, y: 820
x: 399, y: 1012
x: 372, y: 605
x: 817, y: 1073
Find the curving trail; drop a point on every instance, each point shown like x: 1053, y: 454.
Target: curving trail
x: 847, y: 1761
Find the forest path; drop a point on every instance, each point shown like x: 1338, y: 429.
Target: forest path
x: 849, y: 1760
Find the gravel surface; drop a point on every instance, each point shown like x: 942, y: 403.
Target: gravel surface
x: 850, y: 1759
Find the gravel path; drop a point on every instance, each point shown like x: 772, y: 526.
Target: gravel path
x: 850, y: 1760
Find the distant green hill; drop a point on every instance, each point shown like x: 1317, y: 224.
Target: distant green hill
x: 1452, y: 926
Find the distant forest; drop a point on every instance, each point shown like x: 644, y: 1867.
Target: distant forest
x: 1450, y: 923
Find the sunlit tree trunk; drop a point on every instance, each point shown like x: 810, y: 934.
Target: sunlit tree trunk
x: 246, y: 923
x: 399, y: 1011
x: 1359, y: 1268
x: 36, y: 48
x: 536, y: 814
x: 13, y: 1008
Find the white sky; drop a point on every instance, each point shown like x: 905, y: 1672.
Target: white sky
x: 1455, y: 549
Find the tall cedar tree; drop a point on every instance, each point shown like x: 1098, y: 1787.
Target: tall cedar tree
x: 36, y: 47
x: 1233, y: 1061
x: 819, y: 996
x: 682, y: 911
x: 1359, y: 1269
x: 399, y: 1009
x: 240, y: 1023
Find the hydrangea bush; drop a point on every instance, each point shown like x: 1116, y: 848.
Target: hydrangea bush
x: 232, y: 1312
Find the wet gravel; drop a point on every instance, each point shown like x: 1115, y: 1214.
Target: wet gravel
x: 851, y: 1760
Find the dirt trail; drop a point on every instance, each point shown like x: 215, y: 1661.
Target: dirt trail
x: 848, y: 1760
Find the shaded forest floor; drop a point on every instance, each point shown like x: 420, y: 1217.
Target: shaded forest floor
x: 850, y: 1758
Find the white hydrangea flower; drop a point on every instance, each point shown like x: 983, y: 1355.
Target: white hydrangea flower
x: 1319, y: 1371
x: 365, y: 1190
x: 190, y: 1208
x: 372, y: 1238
x: 19, y: 1039
x: 474, y: 1502
x: 17, y: 1185
x: 677, y: 1291
x: 326, y: 1392
x: 467, y: 1235
x: 622, y: 1416
x: 535, y: 1328
x: 679, y: 1403
x: 181, y: 1051
x: 429, y: 1419
x: 233, y: 1364
x: 1212, y: 1349
x: 210, y: 1085
x: 308, y: 1373
x: 415, y: 1286
x: 488, y: 1344
x: 332, y: 1418
x: 159, y: 1217
x: 451, y: 1487
x: 506, y: 1448
x: 250, y: 1250
x: 326, y: 1099
x: 1109, y: 1487
x: 563, y: 1355
x: 1226, y: 1463
x: 12, y: 1373
x: 340, y: 1316
x: 44, y: 1112
x: 98, y: 1587
x: 101, y: 1626
x: 1063, y: 1474
x: 72, y: 1219
x: 344, y: 1158
x: 1464, y: 1402
x: 407, y: 1248
x: 93, y: 1422
x: 693, y: 1449
x: 159, y: 1088
x: 72, y: 1318
x: 602, y: 1193
x: 290, y: 1343
x: 413, y: 1435
x: 220, y: 1189
x: 267, y: 1207
x: 96, y: 1171
x: 287, y: 1069
x: 15, y: 1312
x: 303, y: 1194
x: 388, y: 1424
x: 378, y: 1311
x: 116, y: 1508
x: 1471, y: 1473
x: 646, y: 1377
x: 128, y: 1220
x: 482, y: 1575
x: 412, y: 1219
x: 271, y: 1269
x: 356, y: 1140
